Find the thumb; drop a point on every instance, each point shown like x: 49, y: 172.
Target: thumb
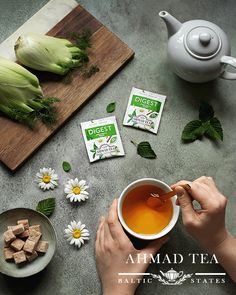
x: 185, y: 202
x: 155, y: 245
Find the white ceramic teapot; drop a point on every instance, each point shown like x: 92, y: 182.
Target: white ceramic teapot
x: 198, y: 50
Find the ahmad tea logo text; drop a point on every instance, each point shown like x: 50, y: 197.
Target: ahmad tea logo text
x: 173, y: 275
x: 102, y: 139
x: 144, y: 110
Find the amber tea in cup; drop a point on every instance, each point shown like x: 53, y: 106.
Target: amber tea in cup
x: 142, y: 218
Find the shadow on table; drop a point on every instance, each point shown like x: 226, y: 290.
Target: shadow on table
x: 212, y: 92
x: 138, y: 244
x: 24, y: 285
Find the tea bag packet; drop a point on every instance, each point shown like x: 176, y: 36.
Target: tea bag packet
x: 102, y: 139
x: 144, y: 110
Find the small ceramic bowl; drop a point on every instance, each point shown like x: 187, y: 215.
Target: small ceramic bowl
x: 10, y: 217
x: 148, y: 181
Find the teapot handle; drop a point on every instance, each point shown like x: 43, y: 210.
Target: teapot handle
x: 228, y: 60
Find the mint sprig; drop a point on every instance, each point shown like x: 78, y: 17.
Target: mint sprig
x: 207, y: 125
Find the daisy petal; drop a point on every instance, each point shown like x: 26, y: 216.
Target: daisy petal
x: 82, y: 183
x: 85, y: 187
x: 72, y: 241
x: 79, y: 243
x: 74, y: 224
x: 72, y: 198
x: 82, y: 227
x: 86, y: 238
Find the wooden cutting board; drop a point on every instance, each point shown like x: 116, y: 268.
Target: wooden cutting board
x: 17, y: 141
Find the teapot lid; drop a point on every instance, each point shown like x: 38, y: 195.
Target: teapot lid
x: 202, y: 42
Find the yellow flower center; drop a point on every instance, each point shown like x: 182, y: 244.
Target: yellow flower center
x: 76, y: 190
x: 76, y: 233
x: 46, y: 178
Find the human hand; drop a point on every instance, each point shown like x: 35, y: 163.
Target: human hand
x: 206, y: 225
x: 113, y: 248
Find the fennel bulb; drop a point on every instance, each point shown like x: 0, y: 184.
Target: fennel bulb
x: 51, y: 54
x: 21, y: 97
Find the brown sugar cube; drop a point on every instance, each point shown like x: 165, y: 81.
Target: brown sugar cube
x: 17, y: 245
x: 42, y: 247
x: 7, y: 244
x: 29, y: 246
x: 18, y: 229
x: 34, y: 236
x: 36, y: 227
x: 32, y: 256
x: 9, y: 236
x: 25, y: 223
x: 8, y: 253
x: 19, y: 257
x: 24, y: 235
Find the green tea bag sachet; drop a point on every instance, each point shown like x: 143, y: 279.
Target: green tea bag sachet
x: 102, y: 139
x: 144, y: 110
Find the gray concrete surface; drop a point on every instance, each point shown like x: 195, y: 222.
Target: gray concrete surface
x: 137, y: 23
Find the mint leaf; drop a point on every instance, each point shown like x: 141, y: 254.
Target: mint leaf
x: 145, y: 150
x: 206, y: 112
x: 66, y: 166
x: 111, y: 107
x: 193, y: 130
x: 46, y: 206
x: 214, y: 130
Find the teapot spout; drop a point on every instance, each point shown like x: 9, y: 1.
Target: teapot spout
x: 172, y: 24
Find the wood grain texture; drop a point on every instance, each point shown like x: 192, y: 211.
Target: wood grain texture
x: 17, y: 141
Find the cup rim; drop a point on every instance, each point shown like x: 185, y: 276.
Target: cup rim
x: 173, y: 220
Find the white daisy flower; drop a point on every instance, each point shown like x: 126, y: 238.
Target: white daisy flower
x: 76, y: 190
x: 76, y: 233
x: 47, y: 178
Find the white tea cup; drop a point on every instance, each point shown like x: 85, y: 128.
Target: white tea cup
x: 164, y: 187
